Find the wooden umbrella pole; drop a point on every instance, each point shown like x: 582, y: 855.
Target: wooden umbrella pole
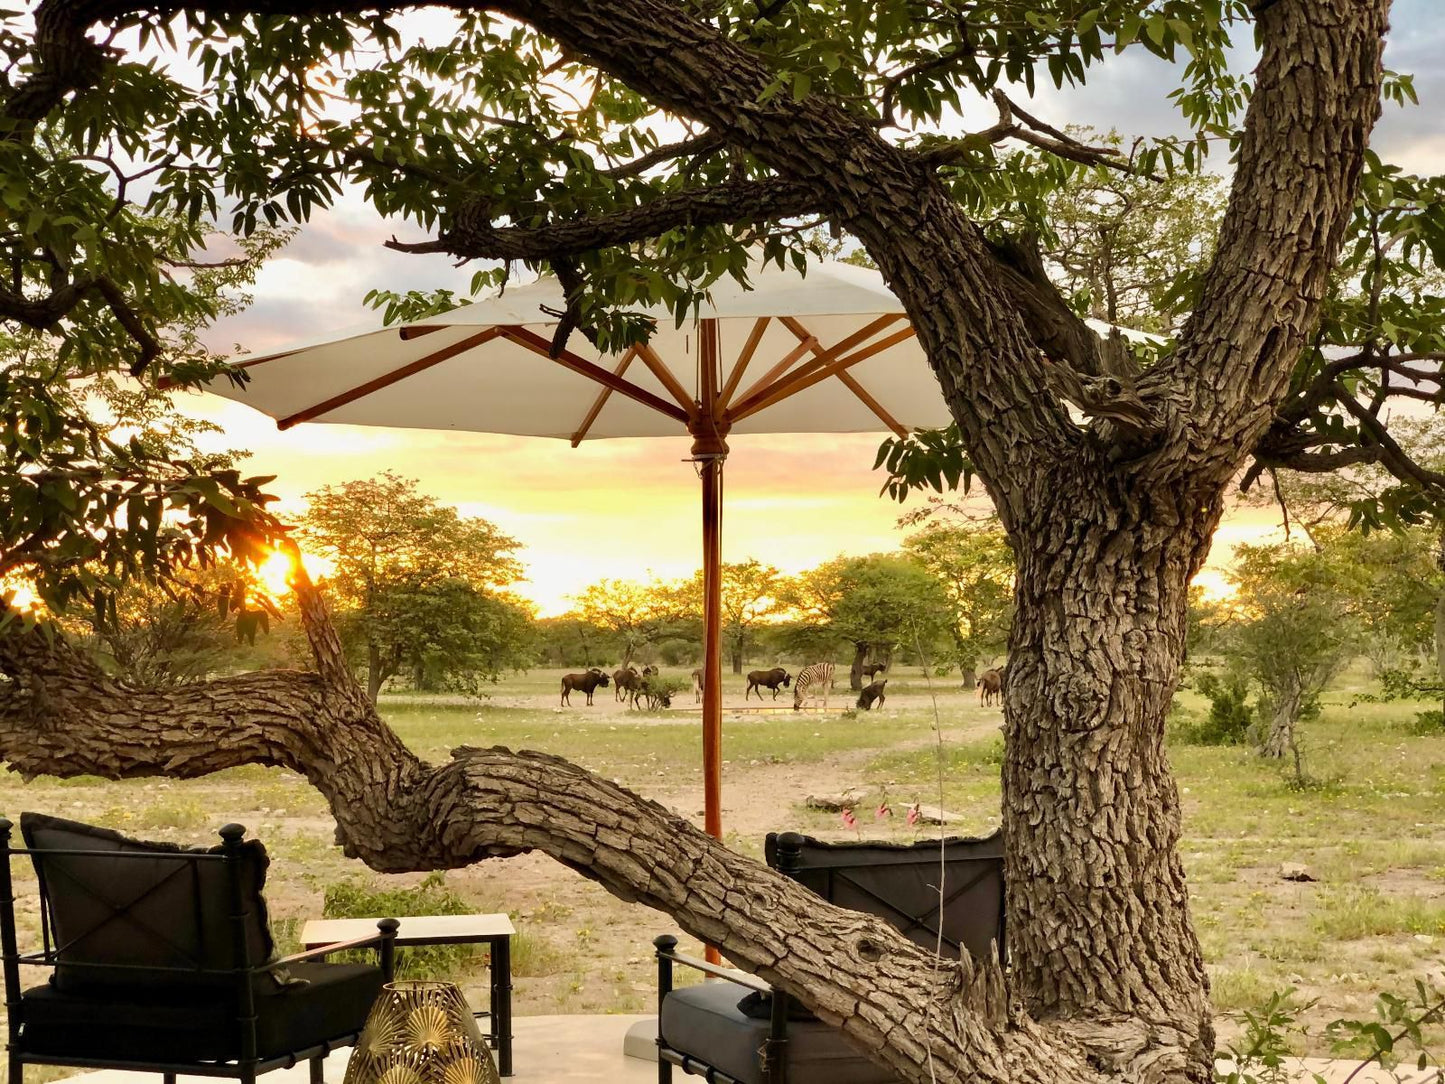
x: 709, y: 450
x: 712, y: 645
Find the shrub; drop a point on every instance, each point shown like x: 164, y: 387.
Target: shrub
x: 355, y: 899
x: 1230, y: 713
x: 1428, y: 723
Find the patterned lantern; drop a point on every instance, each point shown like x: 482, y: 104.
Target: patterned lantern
x: 421, y: 1033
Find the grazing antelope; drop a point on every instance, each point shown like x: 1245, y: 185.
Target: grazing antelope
x: 772, y: 679
x: 587, y: 681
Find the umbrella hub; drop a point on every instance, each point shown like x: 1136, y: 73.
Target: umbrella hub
x: 709, y: 436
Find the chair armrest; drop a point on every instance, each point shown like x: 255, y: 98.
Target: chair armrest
x: 384, y: 941
x: 752, y: 982
x: 324, y: 950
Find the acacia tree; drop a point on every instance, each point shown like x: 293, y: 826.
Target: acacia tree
x: 1125, y: 246
x: 973, y: 564
x: 873, y: 603
x: 635, y: 613
x: 1297, y: 629
x: 749, y: 594
x: 533, y: 136
x: 421, y: 588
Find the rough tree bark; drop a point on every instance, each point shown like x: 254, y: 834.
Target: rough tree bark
x: 855, y: 672
x: 1108, y: 524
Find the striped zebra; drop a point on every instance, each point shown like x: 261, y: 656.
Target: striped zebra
x: 820, y: 674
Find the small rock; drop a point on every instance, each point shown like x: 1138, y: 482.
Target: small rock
x: 1295, y: 871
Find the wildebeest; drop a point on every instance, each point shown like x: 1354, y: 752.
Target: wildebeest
x: 873, y: 669
x: 625, y: 682
x: 774, y: 679
x: 697, y: 686
x: 586, y: 681
x: 990, y: 687
x: 872, y: 693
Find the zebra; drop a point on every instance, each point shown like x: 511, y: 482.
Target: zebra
x: 821, y: 674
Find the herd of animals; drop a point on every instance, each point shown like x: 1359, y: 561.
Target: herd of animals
x: 644, y: 688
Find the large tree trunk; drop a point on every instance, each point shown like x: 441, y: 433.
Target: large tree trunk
x: 1099, y: 924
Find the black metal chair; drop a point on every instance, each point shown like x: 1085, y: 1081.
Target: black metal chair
x: 161, y: 961
x: 760, y: 1038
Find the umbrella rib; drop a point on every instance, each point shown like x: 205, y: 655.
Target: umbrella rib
x: 410, y: 369
x: 530, y: 340
x: 807, y: 342
x: 822, y: 357
x: 745, y: 356
x: 665, y: 375
x: 763, y: 382
x: 851, y: 383
x: 601, y: 400
x: 416, y: 331
x: 800, y: 381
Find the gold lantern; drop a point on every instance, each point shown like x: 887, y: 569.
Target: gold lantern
x: 421, y: 1033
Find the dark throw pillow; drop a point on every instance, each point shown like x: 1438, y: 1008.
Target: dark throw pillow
x: 759, y: 1006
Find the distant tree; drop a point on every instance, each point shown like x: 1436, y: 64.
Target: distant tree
x: 873, y: 603
x: 453, y: 636
x: 636, y: 613
x: 570, y: 640
x: 1297, y: 628
x: 1203, y: 622
x: 974, y: 566
x: 1399, y: 554
x: 420, y: 588
x: 1126, y: 247
x: 749, y: 595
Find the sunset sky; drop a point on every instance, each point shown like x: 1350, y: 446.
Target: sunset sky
x: 627, y: 508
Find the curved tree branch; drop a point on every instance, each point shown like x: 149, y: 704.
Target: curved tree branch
x: 1315, y: 100
x: 473, y: 236
x: 59, y: 714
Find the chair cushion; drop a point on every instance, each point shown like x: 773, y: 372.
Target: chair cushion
x: 112, y: 919
x: 704, y: 1021
x: 331, y: 1004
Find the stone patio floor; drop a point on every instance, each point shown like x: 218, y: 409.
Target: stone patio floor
x: 588, y: 1050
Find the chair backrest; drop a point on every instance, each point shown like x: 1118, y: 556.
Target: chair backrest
x: 121, y: 914
x: 953, y: 891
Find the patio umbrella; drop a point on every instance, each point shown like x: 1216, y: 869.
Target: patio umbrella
x: 829, y: 352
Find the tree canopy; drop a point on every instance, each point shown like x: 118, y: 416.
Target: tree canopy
x: 421, y: 589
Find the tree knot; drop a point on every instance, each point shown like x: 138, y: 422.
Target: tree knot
x: 868, y: 950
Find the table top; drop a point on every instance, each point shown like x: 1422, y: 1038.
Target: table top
x: 413, y: 930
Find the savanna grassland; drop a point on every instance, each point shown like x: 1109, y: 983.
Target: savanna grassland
x: 1368, y: 824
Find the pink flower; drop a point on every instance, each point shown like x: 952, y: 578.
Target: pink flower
x: 883, y: 810
x: 849, y: 821
x: 914, y: 815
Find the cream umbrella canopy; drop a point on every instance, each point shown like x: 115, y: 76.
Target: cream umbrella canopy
x: 829, y: 352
